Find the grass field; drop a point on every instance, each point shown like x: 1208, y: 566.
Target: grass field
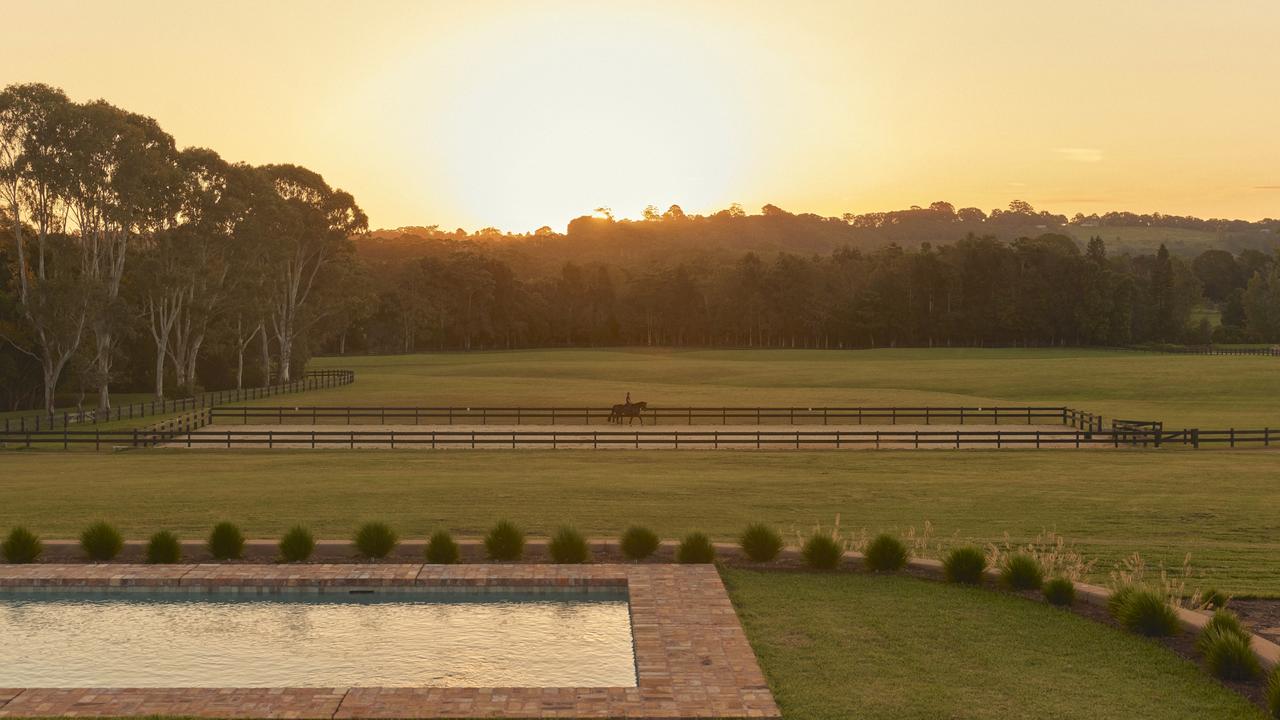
x: 1181, y: 390
x: 867, y: 647
x: 832, y: 646
x: 1218, y: 505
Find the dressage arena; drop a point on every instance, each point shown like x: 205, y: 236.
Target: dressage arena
x: 643, y: 428
x: 652, y: 428
x: 566, y: 437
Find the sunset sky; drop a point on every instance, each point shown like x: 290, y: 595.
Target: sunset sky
x: 522, y: 114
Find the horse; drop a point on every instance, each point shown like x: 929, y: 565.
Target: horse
x: 629, y: 410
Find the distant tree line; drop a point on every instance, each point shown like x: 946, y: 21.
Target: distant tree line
x: 978, y: 291
x: 128, y: 264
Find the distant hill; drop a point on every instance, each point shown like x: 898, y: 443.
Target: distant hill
x: 674, y: 236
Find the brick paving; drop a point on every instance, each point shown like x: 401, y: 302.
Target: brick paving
x: 692, y: 657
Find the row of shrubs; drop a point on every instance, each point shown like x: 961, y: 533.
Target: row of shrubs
x: 505, y: 541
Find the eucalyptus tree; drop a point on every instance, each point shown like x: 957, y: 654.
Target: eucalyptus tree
x: 123, y: 184
x: 36, y: 123
x: 222, y: 214
x: 309, y: 228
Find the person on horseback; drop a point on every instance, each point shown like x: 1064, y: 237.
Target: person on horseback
x: 628, y: 400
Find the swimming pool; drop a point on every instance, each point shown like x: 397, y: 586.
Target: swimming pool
x: 341, y: 638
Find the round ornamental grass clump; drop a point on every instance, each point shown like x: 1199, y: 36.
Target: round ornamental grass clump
x: 226, y: 542
x: 441, y: 549
x: 568, y: 547
x: 1222, y: 621
x: 375, y: 540
x: 297, y: 545
x: 1212, y: 598
x: 965, y: 565
x: 638, y: 543
x: 164, y: 548
x: 505, y: 542
x: 822, y: 551
x: 101, y: 541
x: 1119, y: 596
x: 21, y: 546
x: 1228, y: 654
x: 1060, y: 591
x: 1022, y: 572
x: 760, y: 543
x: 696, y: 548
x: 1146, y: 613
x: 885, y: 553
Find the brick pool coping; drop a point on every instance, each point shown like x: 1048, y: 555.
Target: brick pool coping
x: 692, y: 656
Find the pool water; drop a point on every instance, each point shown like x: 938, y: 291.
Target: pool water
x: 173, y: 639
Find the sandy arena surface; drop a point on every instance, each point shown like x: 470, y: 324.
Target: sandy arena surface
x: 705, y: 437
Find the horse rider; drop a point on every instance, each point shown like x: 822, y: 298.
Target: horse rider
x: 628, y: 400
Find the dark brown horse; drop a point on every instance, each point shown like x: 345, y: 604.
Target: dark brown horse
x: 628, y: 410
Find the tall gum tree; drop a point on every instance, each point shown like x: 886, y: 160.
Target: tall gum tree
x: 310, y: 226
x: 36, y: 124
x: 124, y: 179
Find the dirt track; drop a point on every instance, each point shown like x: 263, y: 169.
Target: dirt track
x: 739, y: 437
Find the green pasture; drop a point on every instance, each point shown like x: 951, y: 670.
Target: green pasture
x: 1180, y: 390
x: 1217, y: 505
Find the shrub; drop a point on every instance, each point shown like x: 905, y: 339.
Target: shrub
x: 375, y: 540
x: 226, y: 542
x: 638, y: 543
x: 1228, y: 654
x: 101, y: 541
x: 965, y: 565
x: 1273, y: 692
x: 1022, y: 572
x: 1060, y: 591
x: 568, y: 547
x: 296, y: 545
x: 441, y: 549
x: 886, y: 553
x: 1119, y: 596
x: 1222, y: 621
x: 505, y: 542
x: 1146, y: 613
x: 760, y: 542
x: 822, y: 551
x: 1212, y: 598
x: 696, y: 548
x: 22, y: 546
x: 164, y: 548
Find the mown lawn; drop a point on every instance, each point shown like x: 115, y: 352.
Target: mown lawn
x: 1217, y: 505
x: 871, y: 647
x: 1181, y: 390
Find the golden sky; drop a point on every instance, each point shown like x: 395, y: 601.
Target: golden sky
x: 519, y: 114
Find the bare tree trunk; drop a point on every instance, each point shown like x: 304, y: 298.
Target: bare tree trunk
x: 266, y: 359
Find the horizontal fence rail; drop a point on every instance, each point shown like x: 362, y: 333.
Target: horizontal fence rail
x: 189, y: 432
x: 311, y: 380
x: 811, y: 415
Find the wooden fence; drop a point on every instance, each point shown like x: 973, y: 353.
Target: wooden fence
x: 188, y: 432
x: 315, y: 415
x: 311, y: 380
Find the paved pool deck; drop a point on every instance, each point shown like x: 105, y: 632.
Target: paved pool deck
x: 692, y: 656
